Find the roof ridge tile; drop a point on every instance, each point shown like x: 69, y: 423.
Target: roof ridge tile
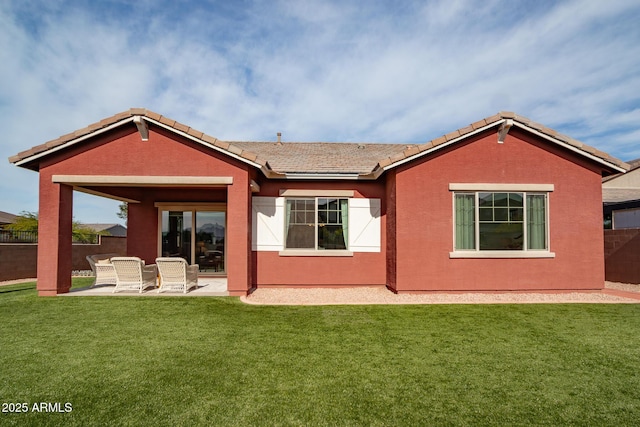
x: 195, y: 133
x: 452, y: 135
x: 167, y: 121
x: 208, y: 138
x: 152, y: 115
x: 138, y: 111
x: 181, y: 127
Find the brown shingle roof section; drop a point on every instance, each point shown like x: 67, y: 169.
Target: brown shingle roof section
x: 317, y: 157
x: 320, y: 157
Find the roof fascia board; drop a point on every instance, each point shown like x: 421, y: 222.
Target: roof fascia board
x: 74, y: 141
x: 443, y: 145
x: 206, y: 144
x: 570, y: 147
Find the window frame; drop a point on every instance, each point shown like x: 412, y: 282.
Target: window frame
x: 525, y: 190
x: 315, y: 251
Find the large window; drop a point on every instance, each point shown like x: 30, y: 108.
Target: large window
x: 316, y: 223
x: 500, y: 221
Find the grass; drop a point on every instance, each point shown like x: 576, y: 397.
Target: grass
x: 215, y: 361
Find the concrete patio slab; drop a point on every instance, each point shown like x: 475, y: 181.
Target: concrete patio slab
x: 207, y: 287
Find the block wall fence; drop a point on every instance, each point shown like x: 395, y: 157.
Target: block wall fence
x: 622, y: 255
x: 19, y: 261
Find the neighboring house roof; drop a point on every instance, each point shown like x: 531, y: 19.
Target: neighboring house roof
x: 620, y: 195
x: 113, y: 229
x: 622, y: 187
x: 279, y: 160
x: 633, y: 165
x: 7, y: 218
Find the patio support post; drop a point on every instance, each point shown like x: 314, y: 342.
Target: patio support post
x: 239, y: 236
x: 54, y: 237
x: 391, y: 231
x: 142, y: 230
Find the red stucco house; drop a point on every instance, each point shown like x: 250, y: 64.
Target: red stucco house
x: 502, y: 204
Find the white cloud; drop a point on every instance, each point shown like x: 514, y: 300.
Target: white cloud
x: 316, y: 70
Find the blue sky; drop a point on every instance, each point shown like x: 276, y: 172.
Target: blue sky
x: 375, y: 71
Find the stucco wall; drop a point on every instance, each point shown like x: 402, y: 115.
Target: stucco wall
x: 361, y: 269
x: 416, y: 214
x: 424, y: 218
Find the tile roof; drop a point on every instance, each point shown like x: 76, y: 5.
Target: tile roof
x: 320, y: 157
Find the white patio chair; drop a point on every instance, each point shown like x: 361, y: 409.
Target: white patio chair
x: 176, y: 274
x: 133, y: 275
x: 102, y: 269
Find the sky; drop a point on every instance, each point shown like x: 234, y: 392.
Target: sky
x: 344, y: 70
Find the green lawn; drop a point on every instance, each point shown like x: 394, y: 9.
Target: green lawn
x: 215, y: 361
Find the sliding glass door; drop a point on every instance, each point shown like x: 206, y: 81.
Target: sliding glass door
x: 209, y: 238
x: 176, y: 234
x: 197, y: 235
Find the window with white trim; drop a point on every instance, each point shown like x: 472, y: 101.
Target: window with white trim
x: 500, y: 221
x: 318, y: 223
x: 359, y: 219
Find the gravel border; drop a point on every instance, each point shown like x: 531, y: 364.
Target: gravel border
x: 613, y: 293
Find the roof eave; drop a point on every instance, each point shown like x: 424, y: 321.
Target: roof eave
x: 140, y: 120
x: 23, y: 162
x: 618, y: 166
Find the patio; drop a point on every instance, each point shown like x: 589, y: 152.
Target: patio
x: 207, y: 287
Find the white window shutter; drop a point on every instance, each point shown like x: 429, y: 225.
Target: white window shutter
x: 364, y: 225
x: 267, y: 224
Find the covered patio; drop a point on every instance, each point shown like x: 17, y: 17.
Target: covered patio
x: 187, y: 196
